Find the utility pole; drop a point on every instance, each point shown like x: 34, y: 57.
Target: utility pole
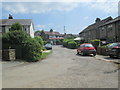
x: 64, y: 30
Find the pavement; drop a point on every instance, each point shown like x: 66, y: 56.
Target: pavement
x: 108, y: 59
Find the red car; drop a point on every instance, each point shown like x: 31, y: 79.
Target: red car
x: 86, y: 49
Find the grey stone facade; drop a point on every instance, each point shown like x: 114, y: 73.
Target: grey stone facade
x: 107, y: 29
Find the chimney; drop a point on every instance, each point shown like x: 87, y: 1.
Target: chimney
x: 10, y: 16
x: 51, y: 30
x: 97, y: 20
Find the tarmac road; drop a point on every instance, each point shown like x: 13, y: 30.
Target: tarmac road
x: 62, y: 69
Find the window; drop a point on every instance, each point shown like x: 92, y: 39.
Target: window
x: 110, y: 26
x: 9, y: 29
x: 88, y: 45
x: 118, y: 23
x: 103, y: 28
x: 25, y: 29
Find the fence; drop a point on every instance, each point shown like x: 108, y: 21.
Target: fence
x: 101, y: 51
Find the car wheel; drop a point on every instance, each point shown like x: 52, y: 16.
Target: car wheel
x: 111, y: 56
x: 77, y: 53
x: 118, y: 55
x: 82, y: 53
x: 94, y: 54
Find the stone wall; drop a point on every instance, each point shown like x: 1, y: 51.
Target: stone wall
x: 8, y: 54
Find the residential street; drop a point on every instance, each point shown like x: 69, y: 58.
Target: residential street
x: 62, y: 69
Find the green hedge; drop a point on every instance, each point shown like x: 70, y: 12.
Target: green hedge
x: 95, y: 43
x: 69, y: 43
x: 40, y: 40
x: 72, y: 44
x: 105, y: 46
x: 31, y: 48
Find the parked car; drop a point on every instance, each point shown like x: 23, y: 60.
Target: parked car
x: 86, y: 49
x: 48, y: 46
x: 113, y: 50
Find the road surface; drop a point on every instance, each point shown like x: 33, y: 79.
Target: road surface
x: 62, y: 69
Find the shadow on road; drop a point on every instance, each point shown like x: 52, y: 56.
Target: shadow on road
x: 85, y: 55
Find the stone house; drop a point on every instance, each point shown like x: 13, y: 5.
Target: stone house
x: 110, y: 31
x: 27, y: 25
x: 93, y: 31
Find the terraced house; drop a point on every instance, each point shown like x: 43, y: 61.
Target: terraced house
x: 106, y: 30
x: 51, y: 36
x: 27, y: 25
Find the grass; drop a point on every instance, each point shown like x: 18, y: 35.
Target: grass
x: 45, y: 55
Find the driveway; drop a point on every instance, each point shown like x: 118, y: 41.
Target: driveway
x: 62, y: 69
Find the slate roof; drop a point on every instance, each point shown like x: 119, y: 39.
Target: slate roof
x: 56, y: 38
x: 96, y: 25
x: 52, y: 33
x: 4, y: 22
x: 114, y: 20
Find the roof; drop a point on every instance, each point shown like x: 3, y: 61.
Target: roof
x: 114, y: 20
x: 97, y: 24
x: 4, y: 22
x: 56, y: 38
x: 52, y: 33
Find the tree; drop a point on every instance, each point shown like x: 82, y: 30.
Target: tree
x: 16, y: 26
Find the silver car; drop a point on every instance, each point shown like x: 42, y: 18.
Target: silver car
x: 48, y: 46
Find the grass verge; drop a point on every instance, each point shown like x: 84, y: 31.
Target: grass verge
x: 45, y: 55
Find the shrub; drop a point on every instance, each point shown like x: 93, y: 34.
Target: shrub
x: 69, y: 43
x: 40, y: 40
x: 31, y: 48
x: 105, y: 46
x: 95, y: 43
x: 72, y: 45
x: 15, y: 37
x: 44, y: 42
x: 65, y: 42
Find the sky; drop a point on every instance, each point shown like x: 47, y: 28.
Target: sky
x: 75, y: 16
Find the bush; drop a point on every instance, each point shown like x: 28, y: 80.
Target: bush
x: 105, y: 46
x: 15, y: 37
x: 69, y: 43
x: 40, y: 40
x: 31, y: 48
x: 72, y: 44
x: 95, y: 43
x: 44, y: 42
x: 65, y: 42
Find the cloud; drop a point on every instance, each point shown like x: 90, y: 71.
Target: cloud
x: 48, y: 0
x: 86, y: 17
x: 40, y: 26
x: 36, y: 8
x: 107, y: 6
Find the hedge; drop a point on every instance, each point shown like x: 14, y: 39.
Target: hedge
x: 31, y: 49
x: 72, y: 44
x: 69, y: 43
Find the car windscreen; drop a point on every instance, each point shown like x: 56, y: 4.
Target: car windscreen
x: 48, y: 45
x: 115, y: 44
x: 119, y: 45
x: 88, y: 45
